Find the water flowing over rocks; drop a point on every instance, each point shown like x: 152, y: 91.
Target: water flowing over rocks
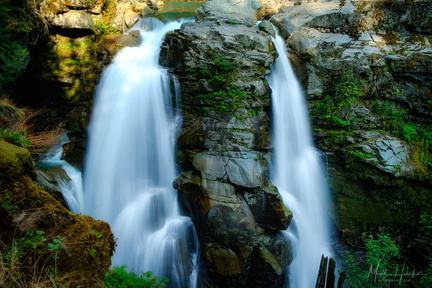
x: 374, y: 132
x: 221, y: 62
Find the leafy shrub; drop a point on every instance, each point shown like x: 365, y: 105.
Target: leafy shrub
x: 13, y: 60
x: 23, y: 262
x: 14, y: 55
x: 383, y: 265
x: 119, y: 277
x: 382, y: 255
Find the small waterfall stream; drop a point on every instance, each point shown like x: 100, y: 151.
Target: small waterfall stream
x: 297, y: 172
x: 72, y: 190
x: 130, y: 163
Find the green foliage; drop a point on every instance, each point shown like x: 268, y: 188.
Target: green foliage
x: 380, y: 265
x: 394, y: 116
x: 16, y: 26
x: 409, y: 132
x: 360, y: 154
x: 17, y: 138
x: 337, y: 110
x: 383, y: 265
x: 426, y: 278
x: 255, y: 112
x: 100, y: 28
x: 222, y: 101
x: 13, y: 60
x: 425, y: 225
x: 23, y: 247
x: 349, y: 87
x: 94, y: 242
x: 219, y: 72
x: 117, y: 276
x: 7, y: 204
x: 398, y: 121
x: 56, y: 245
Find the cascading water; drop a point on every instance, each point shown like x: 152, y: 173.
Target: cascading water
x: 297, y: 172
x: 72, y: 188
x: 130, y: 163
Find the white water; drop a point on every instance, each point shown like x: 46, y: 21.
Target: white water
x: 297, y: 172
x: 72, y: 190
x: 130, y: 163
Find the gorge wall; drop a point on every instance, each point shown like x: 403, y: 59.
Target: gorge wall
x: 221, y: 62
x: 368, y: 81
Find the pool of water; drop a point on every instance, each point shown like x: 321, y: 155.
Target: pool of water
x: 176, y: 9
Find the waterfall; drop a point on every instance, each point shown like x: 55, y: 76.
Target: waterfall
x: 296, y: 171
x: 130, y: 165
x: 72, y: 188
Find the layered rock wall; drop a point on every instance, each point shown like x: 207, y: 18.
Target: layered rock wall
x: 221, y: 62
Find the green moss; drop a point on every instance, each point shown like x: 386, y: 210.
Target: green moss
x: 336, y: 109
x: 88, y: 243
x: 222, y: 101
x: 219, y: 72
x: 14, y: 160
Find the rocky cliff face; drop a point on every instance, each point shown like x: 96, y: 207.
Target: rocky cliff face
x: 221, y: 62
x: 368, y: 80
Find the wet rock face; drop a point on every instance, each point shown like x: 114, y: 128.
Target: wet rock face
x: 368, y: 82
x: 221, y: 63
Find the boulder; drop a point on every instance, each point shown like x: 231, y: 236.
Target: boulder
x: 246, y: 169
x: 74, y: 20
x: 386, y: 153
x: 268, y: 208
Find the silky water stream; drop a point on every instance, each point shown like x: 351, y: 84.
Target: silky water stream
x: 298, y: 173
x: 130, y: 163
x: 71, y: 186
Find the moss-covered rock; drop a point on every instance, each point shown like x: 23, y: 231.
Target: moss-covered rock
x: 84, y: 245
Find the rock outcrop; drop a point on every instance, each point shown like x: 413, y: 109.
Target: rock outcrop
x: 221, y: 62
x: 32, y: 220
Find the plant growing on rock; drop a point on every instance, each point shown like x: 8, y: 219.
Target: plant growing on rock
x: 22, y: 132
x: 337, y: 110
x: 119, y: 277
